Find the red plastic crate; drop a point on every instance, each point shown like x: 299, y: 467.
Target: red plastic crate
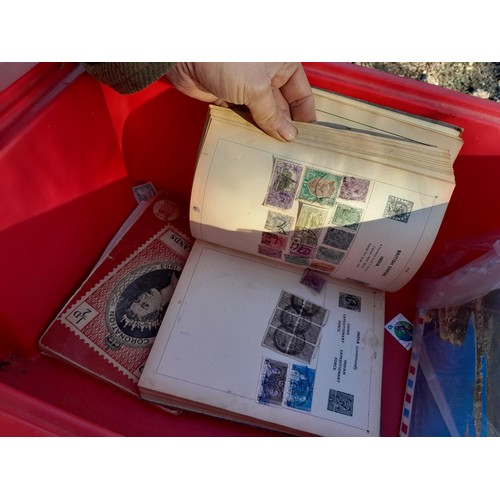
x: 70, y: 150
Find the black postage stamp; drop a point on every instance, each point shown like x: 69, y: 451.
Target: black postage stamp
x: 398, y: 209
x: 351, y: 302
x: 341, y: 402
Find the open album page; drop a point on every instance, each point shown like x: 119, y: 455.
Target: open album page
x: 243, y: 339
x: 339, y: 213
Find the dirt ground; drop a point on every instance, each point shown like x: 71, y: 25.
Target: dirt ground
x: 481, y: 79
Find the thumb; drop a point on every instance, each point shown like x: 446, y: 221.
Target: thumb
x: 270, y: 118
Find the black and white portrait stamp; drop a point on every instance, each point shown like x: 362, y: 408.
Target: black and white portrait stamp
x: 354, y: 189
x: 398, y: 209
x: 284, y: 183
x: 272, y: 382
x: 338, y: 238
x: 137, y: 304
x: 300, y: 387
x: 351, y: 302
x: 340, y: 402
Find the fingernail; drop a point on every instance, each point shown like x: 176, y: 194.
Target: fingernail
x: 287, y: 131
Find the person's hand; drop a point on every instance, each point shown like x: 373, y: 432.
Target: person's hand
x: 275, y: 93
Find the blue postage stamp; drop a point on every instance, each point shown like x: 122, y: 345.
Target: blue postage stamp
x: 300, y: 387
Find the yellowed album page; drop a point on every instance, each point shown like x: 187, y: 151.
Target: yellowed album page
x: 352, y: 205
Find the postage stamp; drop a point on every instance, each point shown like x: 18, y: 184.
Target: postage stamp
x: 354, y: 189
x: 144, y: 192
x: 296, y: 260
x: 324, y: 267
x: 267, y: 251
x: 313, y: 280
x: 294, y: 346
x: 273, y: 240
x: 349, y: 301
x: 284, y: 184
x: 398, y: 209
x: 278, y: 223
x: 330, y: 255
x: 272, y: 382
x: 347, y: 216
x: 300, y: 387
x: 308, y: 237
x: 340, y: 402
x: 121, y: 315
x: 338, y: 238
x: 402, y: 330
x: 300, y: 249
x: 310, y: 217
x: 303, y: 307
x: 295, y: 327
x: 319, y: 187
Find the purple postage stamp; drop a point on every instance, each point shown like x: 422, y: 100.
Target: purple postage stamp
x: 272, y: 382
x: 313, y: 280
x: 285, y: 180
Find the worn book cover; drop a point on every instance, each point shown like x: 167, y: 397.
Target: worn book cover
x: 109, y: 325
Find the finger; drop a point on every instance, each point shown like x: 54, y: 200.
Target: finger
x: 269, y: 117
x: 297, y: 92
x: 281, y: 102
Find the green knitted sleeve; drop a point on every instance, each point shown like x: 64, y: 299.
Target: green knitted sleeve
x: 128, y: 77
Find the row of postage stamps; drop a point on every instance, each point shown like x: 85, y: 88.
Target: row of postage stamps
x: 292, y: 386
x: 286, y: 385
